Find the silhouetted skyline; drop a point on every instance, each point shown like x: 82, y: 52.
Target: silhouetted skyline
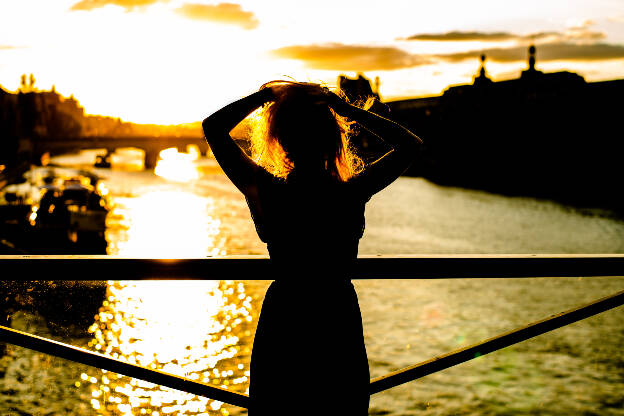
x: 550, y: 135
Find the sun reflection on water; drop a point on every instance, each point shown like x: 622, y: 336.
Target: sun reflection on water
x: 164, y: 224
x: 202, y: 331
x: 198, y: 330
x: 177, y: 166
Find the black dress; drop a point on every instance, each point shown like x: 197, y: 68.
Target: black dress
x: 308, y: 355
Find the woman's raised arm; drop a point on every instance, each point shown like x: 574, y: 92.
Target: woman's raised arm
x: 405, y: 147
x: 239, y: 167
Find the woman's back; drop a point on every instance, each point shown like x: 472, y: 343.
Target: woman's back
x: 316, y: 221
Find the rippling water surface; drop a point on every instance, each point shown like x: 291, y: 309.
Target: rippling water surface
x: 204, y: 330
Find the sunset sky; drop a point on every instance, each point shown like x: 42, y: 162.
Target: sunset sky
x: 175, y: 61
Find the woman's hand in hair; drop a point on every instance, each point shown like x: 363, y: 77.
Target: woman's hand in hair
x: 336, y: 103
x: 281, y: 89
x: 301, y: 92
x: 275, y: 90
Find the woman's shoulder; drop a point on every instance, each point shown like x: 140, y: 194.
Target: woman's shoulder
x: 321, y: 188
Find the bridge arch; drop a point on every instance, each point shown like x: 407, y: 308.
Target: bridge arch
x: 152, y: 146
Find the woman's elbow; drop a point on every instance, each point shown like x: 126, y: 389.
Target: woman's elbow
x: 211, y: 126
x: 208, y: 123
x: 414, y: 144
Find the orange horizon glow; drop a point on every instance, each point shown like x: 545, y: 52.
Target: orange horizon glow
x: 174, y: 62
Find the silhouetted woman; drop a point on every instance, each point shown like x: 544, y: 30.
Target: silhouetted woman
x: 306, y: 192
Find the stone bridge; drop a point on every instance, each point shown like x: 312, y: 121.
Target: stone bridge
x: 151, y: 145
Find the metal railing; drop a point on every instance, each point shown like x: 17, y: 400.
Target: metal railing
x: 367, y: 267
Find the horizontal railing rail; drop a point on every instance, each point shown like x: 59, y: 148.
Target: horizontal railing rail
x: 259, y: 268
x: 24, y: 267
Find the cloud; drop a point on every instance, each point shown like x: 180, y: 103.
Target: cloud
x: 361, y: 58
x: 575, y: 43
x: 7, y: 47
x: 228, y: 13
x: 547, y: 52
x: 127, y: 4
x: 339, y: 57
x: 581, y: 33
x: 577, y: 33
x: 616, y: 19
x: 457, y: 36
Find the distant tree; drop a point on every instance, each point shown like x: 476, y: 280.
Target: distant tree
x: 23, y: 84
x: 31, y: 82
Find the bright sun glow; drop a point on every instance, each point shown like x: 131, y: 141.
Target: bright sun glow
x: 177, y: 166
x: 160, y: 65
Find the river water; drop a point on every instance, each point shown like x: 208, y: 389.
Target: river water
x: 204, y: 330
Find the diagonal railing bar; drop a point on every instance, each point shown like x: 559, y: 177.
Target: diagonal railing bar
x: 80, y: 355
x: 377, y: 385
x: 259, y: 268
x: 496, y: 343
x: 95, y: 267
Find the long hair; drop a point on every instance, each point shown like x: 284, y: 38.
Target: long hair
x: 298, y: 127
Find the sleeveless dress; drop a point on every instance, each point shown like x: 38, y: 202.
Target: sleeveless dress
x: 308, y: 354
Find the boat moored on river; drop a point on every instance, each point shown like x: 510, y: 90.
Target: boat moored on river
x: 67, y: 214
